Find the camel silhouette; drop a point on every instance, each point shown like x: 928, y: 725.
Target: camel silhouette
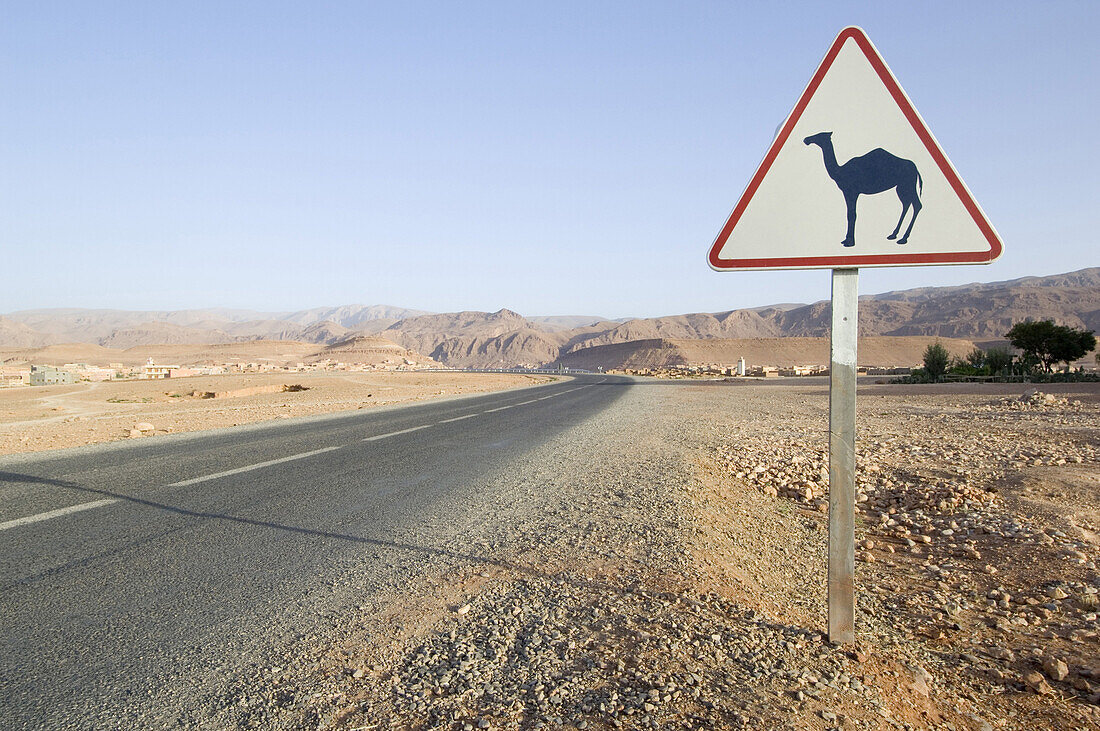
x: 875, y: 172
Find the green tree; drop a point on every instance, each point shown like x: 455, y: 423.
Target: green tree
x: 1070, y: 344
x: 975, y: 362
x: 998, y: 360
x: 1046, y: 343
x: 936, y: 359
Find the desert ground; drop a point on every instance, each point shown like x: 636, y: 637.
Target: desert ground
x: 54, y: 417
x: 661, y: 565
x: 671, y: 574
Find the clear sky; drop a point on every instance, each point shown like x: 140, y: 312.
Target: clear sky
x: 552, y: 158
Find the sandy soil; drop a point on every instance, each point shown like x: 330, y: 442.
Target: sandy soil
x: 54, y: 417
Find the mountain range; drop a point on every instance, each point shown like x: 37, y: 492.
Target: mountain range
x: 979, y: 313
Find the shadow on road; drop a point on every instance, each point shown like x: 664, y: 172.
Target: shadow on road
x: 578, y: 582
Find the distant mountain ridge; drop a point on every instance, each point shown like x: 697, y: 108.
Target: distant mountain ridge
x: 979, y: 312
x: 89, y: 325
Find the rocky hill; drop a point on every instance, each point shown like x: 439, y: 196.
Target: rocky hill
x: 366, y: 349
x: 17, y: 335
x: 980, y: 312
x: 782, y: 352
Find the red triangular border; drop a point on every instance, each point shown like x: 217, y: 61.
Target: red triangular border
x: 876, y: 61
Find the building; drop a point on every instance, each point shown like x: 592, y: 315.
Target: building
x: 50, y: 376
x: 10, y: 379
x: 86, y: 372
x: 152, y: 371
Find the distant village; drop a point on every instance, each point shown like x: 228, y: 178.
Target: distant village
x: 69, y: 373
x: 757, y: 371
x: 47, y: 375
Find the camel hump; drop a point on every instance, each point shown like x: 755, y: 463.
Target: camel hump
x: 879, y: 155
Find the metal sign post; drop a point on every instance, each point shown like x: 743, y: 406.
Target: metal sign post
x: 852, y: 159
x: 842, y: 455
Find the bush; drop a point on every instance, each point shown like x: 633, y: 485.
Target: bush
x: 998, y: 361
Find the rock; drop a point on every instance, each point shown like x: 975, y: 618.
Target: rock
x: 144, y: 426
x: 1055, y: 669
x: 980, y: 723
x: 1037, y: 683
x: 463, y: 609
x: 359, y: 673
x: 921, y: 679
x: 134, y: 433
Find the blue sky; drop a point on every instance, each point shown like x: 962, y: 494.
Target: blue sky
x: 551, y: 158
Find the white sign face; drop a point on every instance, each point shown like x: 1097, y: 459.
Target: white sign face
x: 854, y: 179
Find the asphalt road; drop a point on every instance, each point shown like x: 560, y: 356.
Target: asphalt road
x: 138, y: 579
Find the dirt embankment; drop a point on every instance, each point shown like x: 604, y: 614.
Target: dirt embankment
x: 53, y: 417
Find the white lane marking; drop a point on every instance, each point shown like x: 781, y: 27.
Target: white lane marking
x: 195, y: 480
x: 249, y: 468
x: 395, y: 433
x: 57, y: 513
x: 458, y: 418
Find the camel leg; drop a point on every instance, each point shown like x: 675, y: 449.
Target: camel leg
x: 850, y: 238
x: 904, y: 209
x: 916, y: 209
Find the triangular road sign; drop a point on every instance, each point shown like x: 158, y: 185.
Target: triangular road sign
x: 854, y: 178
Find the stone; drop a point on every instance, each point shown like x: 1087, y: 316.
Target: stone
x: 463, y: 609
x: 1055, y: 669
x: 921, y: 680
x: 980, y: 723
x: 1037, y: 683
x: 144, y: 426
x: 1056, y: 592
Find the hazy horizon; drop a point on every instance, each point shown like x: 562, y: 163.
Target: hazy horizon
x: 399, y: 306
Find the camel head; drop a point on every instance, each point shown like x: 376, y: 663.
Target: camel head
x: 821, y: 138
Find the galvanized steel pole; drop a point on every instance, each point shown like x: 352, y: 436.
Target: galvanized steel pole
x: 842, y: 455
